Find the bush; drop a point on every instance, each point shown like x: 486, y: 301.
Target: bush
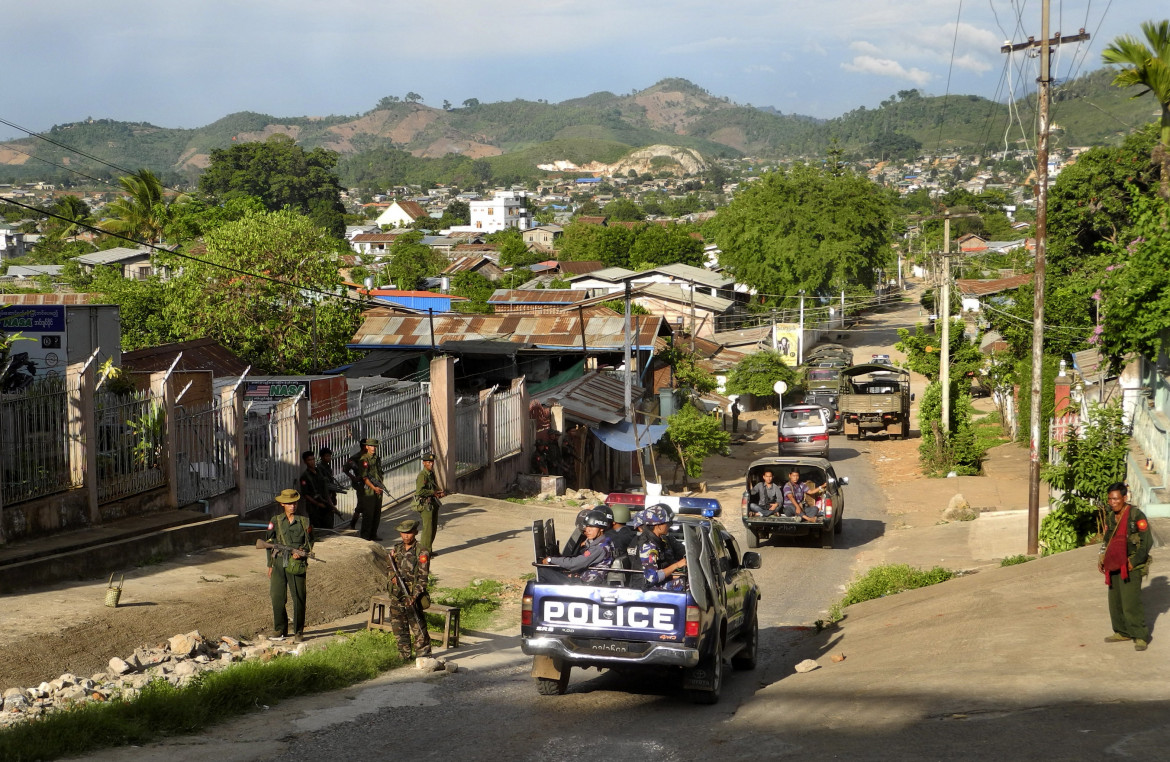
x: 1016, y: 560
x: 889, y: 579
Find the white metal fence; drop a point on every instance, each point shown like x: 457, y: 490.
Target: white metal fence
x: 508, y: 418
x: 34, y: 441
x: 471, y: 434
x: 204, y: 450
x: 130, y: 435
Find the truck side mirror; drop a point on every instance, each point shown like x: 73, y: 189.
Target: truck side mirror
x: 844, y: 480
x: 751, y: 560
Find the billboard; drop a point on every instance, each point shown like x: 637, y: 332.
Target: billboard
x: 43, y: 328
x: 785, y: 340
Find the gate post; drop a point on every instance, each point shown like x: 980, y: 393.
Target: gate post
x: 443, y: 421
x: 82, y: 428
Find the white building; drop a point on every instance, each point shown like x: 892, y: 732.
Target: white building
x: 505, y: 209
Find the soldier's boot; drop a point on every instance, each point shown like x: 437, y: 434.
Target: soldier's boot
x: 1140, y: 645
x: 1117, y: 637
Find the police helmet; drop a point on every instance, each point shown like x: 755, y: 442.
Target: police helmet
x: 597, y: 518
x: 655, y: 514
x: 579, y: 522
x: 607, y: 512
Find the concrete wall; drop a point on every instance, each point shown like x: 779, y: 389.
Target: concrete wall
x: 69, y: 510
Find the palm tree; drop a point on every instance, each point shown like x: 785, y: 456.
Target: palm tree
x: 143, y: 212
x: 1148, y: 65
x: 73, y: 209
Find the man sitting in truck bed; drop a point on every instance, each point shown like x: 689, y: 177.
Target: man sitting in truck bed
x: 593, y: 559
x: 800, y: 498
x: 660, y: 558
x: 766, y: 498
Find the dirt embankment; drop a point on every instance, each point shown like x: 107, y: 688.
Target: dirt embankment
x: 68, y: 629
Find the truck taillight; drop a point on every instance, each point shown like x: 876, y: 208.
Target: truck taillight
x: 692, y: 622
x: 526, y: 611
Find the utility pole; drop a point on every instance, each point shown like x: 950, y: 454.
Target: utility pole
x: 944, y: 357
x: 800, y: 333
x: 626, y: 359
x: 692, y: 317
x: 1045, y: 81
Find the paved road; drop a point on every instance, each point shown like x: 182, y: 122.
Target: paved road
x: 490, y: 709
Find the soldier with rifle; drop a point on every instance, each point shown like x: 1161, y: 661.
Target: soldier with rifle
x: 426, y: 501
x: 409, y: 568
x: 290, y: 544
x: 365, y: 471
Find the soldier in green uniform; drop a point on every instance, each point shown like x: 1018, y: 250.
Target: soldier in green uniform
x: 406, y: 617
x: 426, y: 501
x: 365, y: 471
x: 1124, y: 560
x: 315, y: 493
x: 286, y: 569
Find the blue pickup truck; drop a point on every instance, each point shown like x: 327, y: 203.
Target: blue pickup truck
x: 624, y: 626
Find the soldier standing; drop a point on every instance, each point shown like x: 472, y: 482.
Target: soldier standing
x: 286, y: 568
x: 333, y: 489
x: 1124, y: 560
x: 406, y: 616
x: 426, y: 501
x: 365, y: 471
x: 315, y: 493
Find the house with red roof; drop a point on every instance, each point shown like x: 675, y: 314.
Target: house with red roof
x: 401, y: 213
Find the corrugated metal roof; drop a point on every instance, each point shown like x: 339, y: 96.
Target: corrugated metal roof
x: 614, y: 274
x: 972, y: 287
x: 110, y: 256
x: 682, y: 295
x: 199, y: 354
x: 593, y: 398
x: 580, y: 267
x: 466, y: 264
x: 376, y: 237
x: 603, y: 333
x: 536, y: 296
x: 697, y: 274
x: 32, y: 299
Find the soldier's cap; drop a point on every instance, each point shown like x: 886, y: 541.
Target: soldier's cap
x: 287, y: 496
x: 371, y: 442
x: 429, y: 457
x: 410, y: 525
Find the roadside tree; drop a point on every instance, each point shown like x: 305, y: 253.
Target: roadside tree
x: 805, y: 229
x: 1148, y: 65
x: 692, y: 437
x: 756, y: 374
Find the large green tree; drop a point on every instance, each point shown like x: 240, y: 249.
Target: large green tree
x: 805, y: 229
x: 657, y: 245
x: 282, y: 319
x: 583, y: 241
x: 411, y: 261
x: 76, y: 214
x: 1147, y: 65
x: 280, y: 173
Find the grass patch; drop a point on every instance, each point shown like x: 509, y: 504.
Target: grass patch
x: 889, y: 579
x: 164, y: 710
x: 477, y: 604
x: 988, y: 432
x: 1014, y: 560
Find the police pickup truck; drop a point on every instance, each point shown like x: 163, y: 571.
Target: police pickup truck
x: 624, y: 626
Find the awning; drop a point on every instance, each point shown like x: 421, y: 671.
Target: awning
x: 481, y: 347
x: 384, y: 363
x: 620, y: 436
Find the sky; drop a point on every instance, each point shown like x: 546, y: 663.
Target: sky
x: 186, y: 64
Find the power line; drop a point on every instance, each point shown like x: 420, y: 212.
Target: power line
x: 77, y: 151
x: 950, y: 69
x: 181, y: 255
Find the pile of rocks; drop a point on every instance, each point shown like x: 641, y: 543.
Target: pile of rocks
x: 177, y: 661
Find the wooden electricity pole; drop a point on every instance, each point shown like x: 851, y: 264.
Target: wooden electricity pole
x: 1043, y: 96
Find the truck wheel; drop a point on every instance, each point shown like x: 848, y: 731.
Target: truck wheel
x: 712, y: 665
x: 753, y: 539
x: 746, y: 659
x: 546, y: 686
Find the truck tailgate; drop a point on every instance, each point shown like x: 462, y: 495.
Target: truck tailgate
x: 608, y: 612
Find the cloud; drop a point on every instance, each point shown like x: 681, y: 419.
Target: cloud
x: 712, y: 43
x: 972, y: 63
x: 886, y: 67
x: 868, y: 48
x: 758, y: 68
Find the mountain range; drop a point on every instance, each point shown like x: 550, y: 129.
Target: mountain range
x: 407, y: 141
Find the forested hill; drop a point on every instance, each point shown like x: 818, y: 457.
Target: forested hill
x: 404, y: 140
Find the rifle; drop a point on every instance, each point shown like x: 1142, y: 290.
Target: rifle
x: 422, y: 625
x: 262, y: 544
